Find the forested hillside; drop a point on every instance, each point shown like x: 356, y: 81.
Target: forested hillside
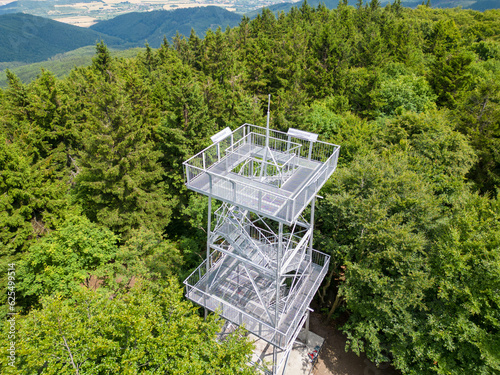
x: 61, y: 64
x: 152, y: 27
x: 29, y: 38
x: 101, y: 229
x: 481, y: 5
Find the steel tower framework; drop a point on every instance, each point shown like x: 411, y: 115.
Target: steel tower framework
x: 261, y: 270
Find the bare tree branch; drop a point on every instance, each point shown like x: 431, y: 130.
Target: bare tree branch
x: 67, y: 348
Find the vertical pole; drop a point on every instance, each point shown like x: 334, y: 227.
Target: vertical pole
x: 313, y: 204
x: 278, y: 272
x: 307, y: 326
x: 267, y: 123
x: 278, y: 276
x: 286, y: 362
x: 275, y: 360
x: 209, y: 228
x: 263, y: 170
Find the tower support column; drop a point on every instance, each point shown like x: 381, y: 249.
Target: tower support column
x: 307, y: 326
x: 209, y: 229
x: 313, y: 207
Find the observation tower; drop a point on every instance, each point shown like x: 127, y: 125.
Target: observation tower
x: 261, y: 270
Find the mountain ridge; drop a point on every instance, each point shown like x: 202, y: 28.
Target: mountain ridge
x: 151, y: 27
x: 479, y: 5
x: 29, y: 38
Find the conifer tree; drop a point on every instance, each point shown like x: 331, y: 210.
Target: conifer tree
x: 194, y: 43
x: 120, y: 180
x: 102, y: 61
x: 33, y: 172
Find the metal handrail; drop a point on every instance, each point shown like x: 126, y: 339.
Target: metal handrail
x: 239, y: 182
x: 231, y: 188
x: 317, y: 257
x: 317, y: 173
x: 213, y: 145
x: 261, y: 128
x: 324, y: 268
x: 285, y: 135
x: 276, y: 331
x: 296, y: 145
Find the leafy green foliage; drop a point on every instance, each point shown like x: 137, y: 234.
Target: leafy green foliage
x: 408, y: 93
x: 147, y: 253
x: 76, y: 254
x: 479, y: 118
x: 388, y: 230
x: 33, y: 181
x: 464, y: 314
x: 440, y: 154
x: 450, y: 77
x: 146, y: 330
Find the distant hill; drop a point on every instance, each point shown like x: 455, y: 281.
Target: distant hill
x: 29, y: 38
x: 483, y: 5
x: 60, y: 65
x: 285, y: 7
x: 12, y: 7
x: 480, y: 5
x: 153, y: 26
x: 26, y: 38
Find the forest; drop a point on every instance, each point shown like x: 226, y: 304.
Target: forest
x: 98, y: 231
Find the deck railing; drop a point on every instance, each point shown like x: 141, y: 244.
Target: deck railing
x: 267, y: 200
x: 320, y: 259
x: 196, y: 291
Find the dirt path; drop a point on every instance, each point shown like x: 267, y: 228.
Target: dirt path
x: 333, y: 360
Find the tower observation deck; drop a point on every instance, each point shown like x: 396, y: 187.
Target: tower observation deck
x: 261, y: 270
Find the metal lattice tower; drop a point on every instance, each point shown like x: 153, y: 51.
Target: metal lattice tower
x: 261, y: 270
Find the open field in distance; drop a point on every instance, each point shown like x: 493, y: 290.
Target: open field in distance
x: 86, y: 13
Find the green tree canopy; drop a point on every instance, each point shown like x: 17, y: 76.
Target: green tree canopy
x: 147, y: 330
x: 76, y: 254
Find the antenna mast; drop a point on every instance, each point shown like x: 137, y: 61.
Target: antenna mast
x: 267, y: 124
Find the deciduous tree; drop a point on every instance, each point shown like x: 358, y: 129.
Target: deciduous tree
x: 146, y: 330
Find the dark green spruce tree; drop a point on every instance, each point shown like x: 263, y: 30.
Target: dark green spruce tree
x: 119, y: 177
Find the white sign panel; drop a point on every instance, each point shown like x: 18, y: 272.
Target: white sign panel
x: 302, y: 135
x: 221, y: 135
